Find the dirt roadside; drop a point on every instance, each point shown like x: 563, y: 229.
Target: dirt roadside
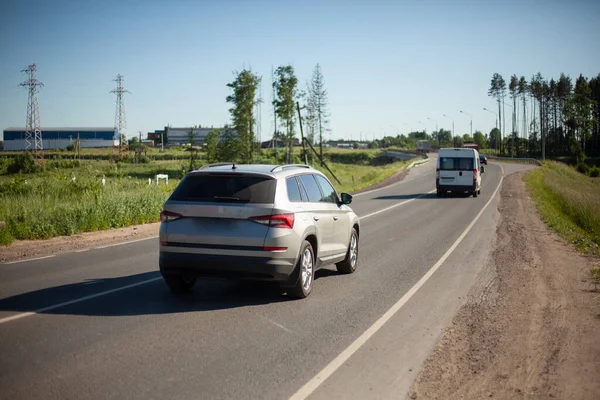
x: 530, y: 329
x: 25, y: 249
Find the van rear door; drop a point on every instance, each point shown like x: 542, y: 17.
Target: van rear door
x: 465, y: 168
x: 456, y: 170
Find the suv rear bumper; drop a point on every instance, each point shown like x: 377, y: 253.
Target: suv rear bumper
x: 456, y: 188
x: 226, y: 266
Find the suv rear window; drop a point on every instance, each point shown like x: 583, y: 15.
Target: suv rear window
x: 225, y: 188
x: 456, y: 164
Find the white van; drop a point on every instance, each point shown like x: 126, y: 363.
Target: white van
x: 458, y: 171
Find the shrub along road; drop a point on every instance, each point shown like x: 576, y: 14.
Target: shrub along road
x: 103, y: 323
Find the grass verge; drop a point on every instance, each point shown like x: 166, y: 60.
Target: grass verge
x: 569, y: 203
x: 50, y: 203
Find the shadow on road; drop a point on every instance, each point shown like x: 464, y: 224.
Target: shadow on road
x: 149, y: 298
x: 406, y: 196
x: 420, y: 196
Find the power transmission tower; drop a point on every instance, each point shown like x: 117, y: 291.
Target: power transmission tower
x: 33, y: 131
x: 120, y: 120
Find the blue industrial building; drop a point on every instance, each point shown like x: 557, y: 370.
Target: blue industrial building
x: 60, y: 138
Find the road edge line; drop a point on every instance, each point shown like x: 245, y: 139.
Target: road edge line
x: 314, y: 383
x: 75, y: 301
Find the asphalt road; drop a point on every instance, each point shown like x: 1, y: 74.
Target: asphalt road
x: 120, y: 333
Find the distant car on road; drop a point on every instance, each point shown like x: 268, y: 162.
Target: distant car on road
x: 482, y: 159
x: 458, y: 171
x: 257, y: 222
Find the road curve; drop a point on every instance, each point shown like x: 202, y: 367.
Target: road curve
x: 101, y: 323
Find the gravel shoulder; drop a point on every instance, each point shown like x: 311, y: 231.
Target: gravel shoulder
x: 530, y: 326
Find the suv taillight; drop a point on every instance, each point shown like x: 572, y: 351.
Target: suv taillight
x: 285, y: 221
x: 168, y: 216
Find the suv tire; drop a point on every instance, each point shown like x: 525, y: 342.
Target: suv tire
x: 348, y: 266
x: 180, y: 283
x: 306, y: 272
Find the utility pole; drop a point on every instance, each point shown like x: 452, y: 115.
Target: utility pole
x: 305, y: 153
x: 453, y: 139
x: 273, y: 141
x: 490, y: 111
x: 470, y: 116
x: 120, y: 120
x: 33, y: 130
x: 485, y: 109
x: 437, y: 131
x: 512, y: 134
x: 78, y: 146
x: 259, y: 114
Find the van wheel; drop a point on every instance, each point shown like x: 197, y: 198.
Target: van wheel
x: 475, y: 193
x: 306, y: 271
x: 180, y: 283
x: 479, y: 191
x: 348, y: 266
x: 439, y: 194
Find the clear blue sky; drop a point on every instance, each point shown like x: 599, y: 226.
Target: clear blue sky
x: 387, y: 64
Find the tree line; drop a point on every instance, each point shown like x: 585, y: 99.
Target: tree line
x: 557, y: 118
x: 239, y: 143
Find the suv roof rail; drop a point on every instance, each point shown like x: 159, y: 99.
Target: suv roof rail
x: 281, y: 167
x: 219, y: 164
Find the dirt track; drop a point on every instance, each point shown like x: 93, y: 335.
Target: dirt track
x: 531, y: 328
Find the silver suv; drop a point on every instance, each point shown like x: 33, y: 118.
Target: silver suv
x: 258, y: 222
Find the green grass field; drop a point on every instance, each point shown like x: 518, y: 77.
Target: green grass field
x: 569, y: 202
x: 50, y: 203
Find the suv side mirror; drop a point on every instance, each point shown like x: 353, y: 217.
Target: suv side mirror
x: 346, y: 198
x: 482, y: 169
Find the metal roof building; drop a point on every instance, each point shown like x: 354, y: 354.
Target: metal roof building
x: 60, y: 138
x: 181, y: 136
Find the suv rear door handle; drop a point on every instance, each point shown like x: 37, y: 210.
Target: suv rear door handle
x: 316, y: 218
x: 335, y: 217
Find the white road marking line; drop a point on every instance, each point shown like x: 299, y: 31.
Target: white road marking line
x: 395, y: 205
x: 122, y: 243
x: 276, y: 324
x: 388, y: 187
x: 82, y: 250
x: 30, y: 259
x: 337, y: 362
x: 75, y: 301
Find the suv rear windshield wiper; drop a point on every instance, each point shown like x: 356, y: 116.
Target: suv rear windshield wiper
x: 231, y: 199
